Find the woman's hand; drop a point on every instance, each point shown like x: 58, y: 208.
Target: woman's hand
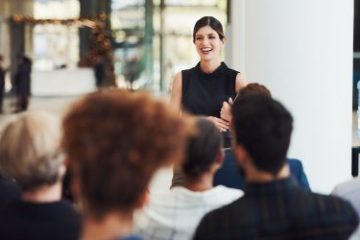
x: 221, y: 124
x: 225, y: 112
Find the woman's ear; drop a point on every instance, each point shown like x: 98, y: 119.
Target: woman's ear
x: 218, y: 160
x: 220, y: 157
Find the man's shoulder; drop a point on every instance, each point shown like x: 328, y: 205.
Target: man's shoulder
x: 306, y: 212
x: 225, y: 213
x: 319, y: 206
x: 327, y: 202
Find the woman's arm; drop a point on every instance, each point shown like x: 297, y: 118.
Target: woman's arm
x: 176, y: 92
x: 225, y: 112
x: 240, y: 82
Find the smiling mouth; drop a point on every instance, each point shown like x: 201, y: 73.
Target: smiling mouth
x: 206, y: 50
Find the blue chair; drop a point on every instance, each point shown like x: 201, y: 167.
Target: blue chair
x: 229, y: 175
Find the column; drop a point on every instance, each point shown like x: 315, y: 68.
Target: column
x: 302, y: 50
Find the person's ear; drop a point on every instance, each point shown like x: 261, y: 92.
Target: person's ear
x: 220, y: 157
x: 75, y: 187
x: 66, y: 162
x: 62, y: 170
x: 143, y: 200
x: 240, y: 154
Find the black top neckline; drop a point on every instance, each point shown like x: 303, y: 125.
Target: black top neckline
x: 219, y: 70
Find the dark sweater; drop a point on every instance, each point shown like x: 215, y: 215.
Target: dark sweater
x: 280, y: 210
x: 9, y: 191
x: 26, y: 220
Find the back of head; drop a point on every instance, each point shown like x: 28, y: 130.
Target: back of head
x: 263, y: 127
x: 29, y: 150
x: 115, y: 140
x: 253, y: 89
x: 211, y: 22
x: 202, y: 149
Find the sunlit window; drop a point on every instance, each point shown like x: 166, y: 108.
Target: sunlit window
x: 173, y: 30
x: 56, y: 46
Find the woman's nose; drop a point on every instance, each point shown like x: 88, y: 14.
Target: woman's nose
x: 205, y: 41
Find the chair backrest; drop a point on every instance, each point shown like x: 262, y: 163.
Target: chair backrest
x: 229, y: 175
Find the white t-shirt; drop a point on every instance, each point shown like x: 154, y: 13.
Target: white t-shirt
x: 174, y: 215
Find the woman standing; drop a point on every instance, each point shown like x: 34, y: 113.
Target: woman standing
x: 202, y: 89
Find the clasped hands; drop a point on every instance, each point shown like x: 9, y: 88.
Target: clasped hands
x: 223, y: 123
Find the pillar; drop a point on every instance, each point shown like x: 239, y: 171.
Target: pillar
x: 303, y: 50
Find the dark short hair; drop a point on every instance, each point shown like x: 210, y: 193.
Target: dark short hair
x: 115, y: 141
x: 211, y: 22
x: 254, y: 88
x: 202, y: 148
x: 263, y: 127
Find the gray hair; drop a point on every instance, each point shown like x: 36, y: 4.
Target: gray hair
x: 29, y: 150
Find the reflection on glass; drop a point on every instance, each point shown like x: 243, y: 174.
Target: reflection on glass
x: 173, y: 49
x: 128, y: 25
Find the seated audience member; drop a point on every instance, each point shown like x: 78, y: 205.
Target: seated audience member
x: 273, y: 207
x: 350, y: 191
x: 228, y: 175
x: 175, y: 214
x: 30, y: 153
x: 115, y: 140
x: 249, y: 89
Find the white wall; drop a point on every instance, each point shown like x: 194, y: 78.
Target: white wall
x: 235, y: 40
x: 302, y: 50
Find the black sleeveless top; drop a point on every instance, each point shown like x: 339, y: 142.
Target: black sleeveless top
x: 203, y: 94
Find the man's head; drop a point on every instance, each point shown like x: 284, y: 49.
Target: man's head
x: 115, y: 140
x: 30, y: 150
x: 253, y: 89
x: 203, y: 150
x: 262, y: 130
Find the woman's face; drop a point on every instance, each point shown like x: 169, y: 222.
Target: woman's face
x: 208, y: 43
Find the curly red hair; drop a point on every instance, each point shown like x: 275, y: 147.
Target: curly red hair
x: 115, y: 140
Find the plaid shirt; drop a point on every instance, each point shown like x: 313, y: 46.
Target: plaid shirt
x: 280, y: 210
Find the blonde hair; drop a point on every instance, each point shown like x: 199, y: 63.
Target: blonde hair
x: 29, y: 149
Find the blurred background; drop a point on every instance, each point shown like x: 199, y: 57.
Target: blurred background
x: 305, y: 51
x: 146, y: 41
